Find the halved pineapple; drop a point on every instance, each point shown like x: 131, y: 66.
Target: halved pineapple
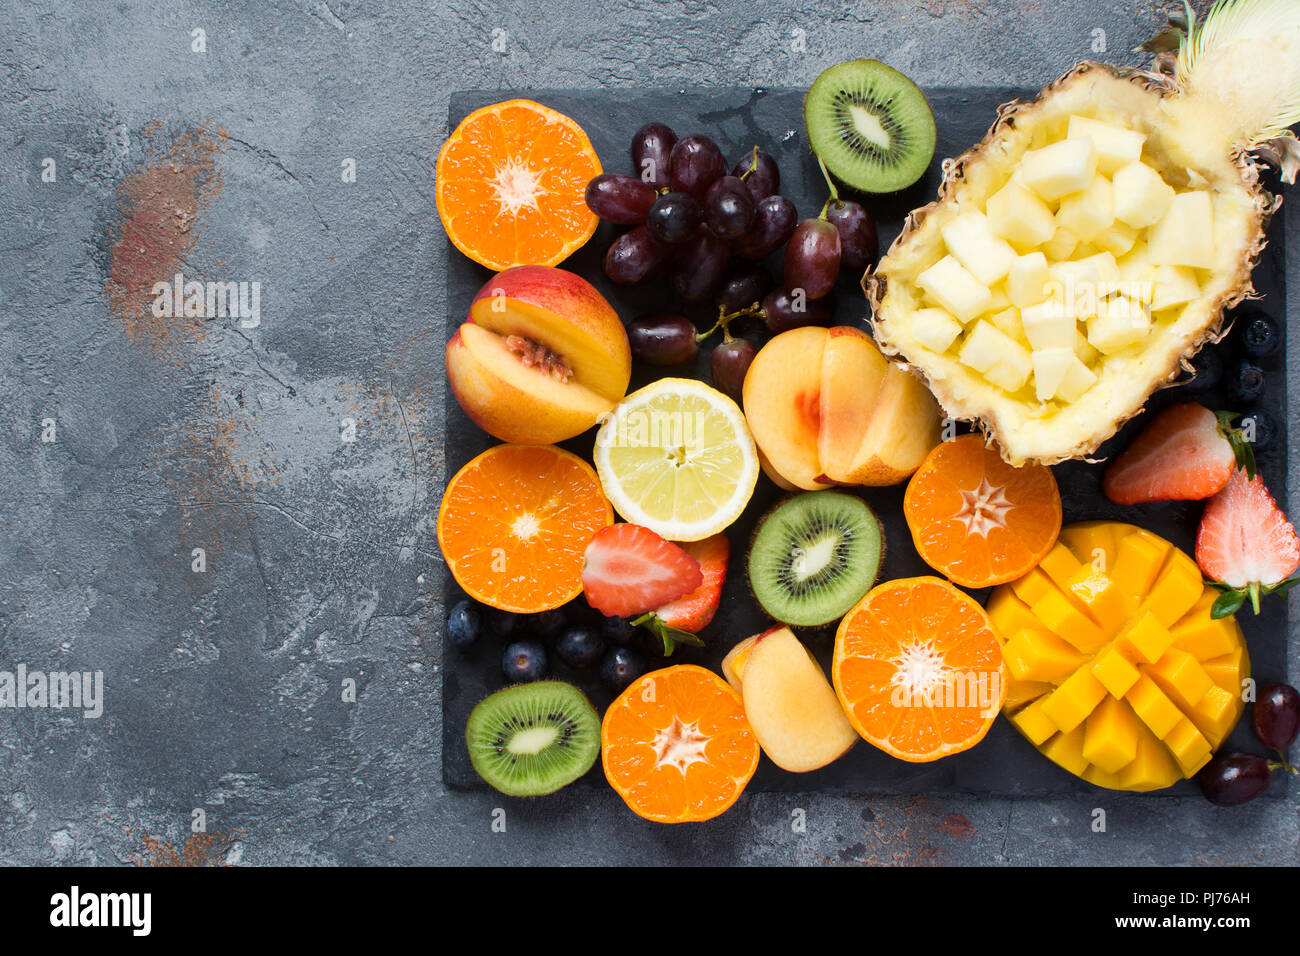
x: 1136, y: 194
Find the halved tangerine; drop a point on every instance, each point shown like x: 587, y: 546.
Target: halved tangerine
x: 977, y: 519
x: 676, y: 746
x: 511, y: 185
x: 514, y: 523
x: 918, y: 669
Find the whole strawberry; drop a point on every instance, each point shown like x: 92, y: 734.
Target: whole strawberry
x: 1185, y: 453
x: 1245, y: 545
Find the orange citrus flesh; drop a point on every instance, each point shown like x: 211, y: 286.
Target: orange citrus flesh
x: 511, y: 185
x: 977, y: 519
x: 918, y: 669
x: 514, y: 524
x: 676, y: 746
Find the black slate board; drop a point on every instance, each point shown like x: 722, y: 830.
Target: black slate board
x: 1004, y: 763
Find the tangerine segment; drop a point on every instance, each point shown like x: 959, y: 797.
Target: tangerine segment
x: 918, y: 669
x: 676, y: 746
x: 514, y: 524
x: 511, y: 185
x: 977, y: 519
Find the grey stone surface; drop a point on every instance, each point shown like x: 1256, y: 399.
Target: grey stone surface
x: 223, y: 690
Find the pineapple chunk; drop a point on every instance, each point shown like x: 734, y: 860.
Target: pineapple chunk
x: 1090, y: 212
x: 1174, y: 285
x: 986, y: 256
x: 998, y: 299
x: 1027, y: 280
x: 1185, y: 236
x: 935, y: 329
x: 1136, y: 266
x: 1084, y: 350
x: 1116, y: 147
x: 1048, y: 325
x: 955, y: 289
x: 1119, y: 323
x: 1049, y: 370
x: 1118, y: 239
x: 1015, y: 213
x: 1077, y: 380
x: 985, y: 347
x: 1061, y: 246
x: 1085, y: 282
x: 1008, y: 322
x: 1009, y: 374
x: 1141, y: 197
x: 1055, y: 171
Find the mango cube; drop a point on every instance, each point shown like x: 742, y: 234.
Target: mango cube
x: 1176, y: 591
x: 1151, y: 704
x: 1110, y: 736
x: 1115, y: 671
x: 1189, y: 747
x: 1066, y: 750
x: 1181, y: 676
x: 1101, y: 596
x: 1037, y: 655
x: 1020, y: 692
x: 1152, y: 769
x: 1064, y: 618
x: 1070, y: 704
x: 1146, y: 638
x: 1215, y: 714
x: 1033, y: 723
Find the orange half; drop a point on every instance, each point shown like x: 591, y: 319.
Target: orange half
x: 918, y: 669
x: 514, y: 523
x: 511, y: 185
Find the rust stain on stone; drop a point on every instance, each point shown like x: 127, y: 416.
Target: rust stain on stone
x: 956, y: 825
x: 200, y: 849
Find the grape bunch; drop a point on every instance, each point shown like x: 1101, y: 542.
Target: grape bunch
x: 708, y: 231
x: 1236, y: 778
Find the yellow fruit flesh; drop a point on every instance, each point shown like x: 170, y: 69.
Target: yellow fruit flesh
x: 1119, y: 673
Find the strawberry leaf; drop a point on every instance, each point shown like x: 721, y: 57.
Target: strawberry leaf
x: 669, y: 635
x: 1283, y: 586
x: 1243, y: 453
x: 1228, y: 603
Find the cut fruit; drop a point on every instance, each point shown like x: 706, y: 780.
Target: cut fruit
x: 790, y: 704
x: 949, y: 284
x: 977, y: 519
x: 676, y: 457
x: 1185, y: 235
x: 532, y: 739
x: 985, y: 256
x: 1115, y: 145
x: 870, y: 125
x: 514, y: 523
x: 676, y: 745
x: 1086, y: 214
x: 628, y: 569
x: 1016, y: 213
x: 1141, y: 197
x: 919, y: 670
x: 1060, y: 169
x: 813, y: 556
x: 511, y: 185
x: 1137, y: 683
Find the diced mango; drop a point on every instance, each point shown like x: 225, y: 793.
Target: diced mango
x: 1229, y: 670
x: 1111, y: 735
x: 1115, y: 671
x: 1181, y: 676
x: 1215, y: 714
x: 1188, y: 746
x: 1202, y: 636
x: 1031, y: 587
x: 1153, y: 768
x: 1089, y: 540
x: 1009, y: 614
x: 1021, y: 692
x: 1070, y: 704
x: 1033, y: 723
x: 1059, y: 565
x: 1151, y: 704
x: 1101, y: 596
x: 1035, y: 654
x: 1146, y: 638
x: 1063, y: 617
x: 1066, y: 750
x: 1138, y: 561
x: 1176, y: 591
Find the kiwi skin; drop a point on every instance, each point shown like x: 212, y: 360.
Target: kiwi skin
x: 531, y: 786
x: 806, y: 628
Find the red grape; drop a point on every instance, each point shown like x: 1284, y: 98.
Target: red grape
x: 1234, y: 779
x: 652, y: 146
x: 742, y: 287
x: 728, y: 208
x: 765, y: 180
x: 783, y: 311
x: 858, y: 243
x: 699, y: 265
x: 728, y: 365
x: 774, y: 221
x: 674, y: 218
x: 812, y: 258
x: 662, y: 339
x: 620, y: 199
x: 695, y: 165
x: 1277, y: 716
x: 633, y: 256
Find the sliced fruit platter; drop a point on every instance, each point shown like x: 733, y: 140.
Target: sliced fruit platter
x: 736, y: 502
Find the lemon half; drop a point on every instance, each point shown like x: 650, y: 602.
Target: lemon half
x: 677, y: 458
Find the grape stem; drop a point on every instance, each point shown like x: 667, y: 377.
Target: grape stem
x: 1281, y: 764
x: 753, y: 162
x: 835, y: 193
x: 726, y: 318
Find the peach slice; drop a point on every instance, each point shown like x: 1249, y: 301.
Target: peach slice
x: 733, y: 664
x: 906, y: 425
x: 852, y: 370
x: 541, y: 357
x: 782, y: 400
x: 790, y: 705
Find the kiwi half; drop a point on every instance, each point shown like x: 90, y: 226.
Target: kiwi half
x: 814, y: 556
x: 870, y: 125
x: 532, y: 739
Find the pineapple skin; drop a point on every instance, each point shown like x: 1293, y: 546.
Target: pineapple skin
x: 1079, y: 430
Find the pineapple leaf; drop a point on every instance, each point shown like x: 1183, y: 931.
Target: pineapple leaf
x: 1166, y: 41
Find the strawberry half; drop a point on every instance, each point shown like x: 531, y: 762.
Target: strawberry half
x: 1245, y: 545
x: 1185, y: 453
x: 679, y: 621
x: 628, y: 569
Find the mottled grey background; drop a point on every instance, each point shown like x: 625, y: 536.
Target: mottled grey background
x: 223, y: 689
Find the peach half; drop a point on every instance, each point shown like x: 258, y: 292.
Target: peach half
x: 541, y: 357
x: 826, y: 408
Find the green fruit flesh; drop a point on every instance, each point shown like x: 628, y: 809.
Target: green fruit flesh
x: 532, y: 739
x: 814, y: 556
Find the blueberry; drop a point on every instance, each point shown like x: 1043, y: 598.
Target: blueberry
x: 547, y: 623
x: 1260, y: 336
x: 617, y: 630
x: 1208, y: 371
x: 464, y: 624
x: 1245, y: 383
x: 580, y: 647
x: 620, y: 666
x: 524, y: 661
x: 1264, y: 427
x: 502, y: 623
